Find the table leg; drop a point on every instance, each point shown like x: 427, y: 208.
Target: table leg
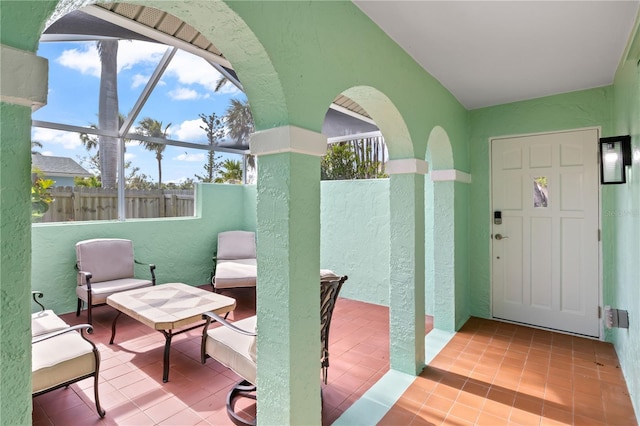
x: 167, y: 346
x: 113, y: 327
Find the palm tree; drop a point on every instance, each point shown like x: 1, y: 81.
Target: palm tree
x: 91, y: 142
x: 153, y: 128
x: 35, y: 145
x: 221, y: 82
x: 240, y: 121
x: 232, y: 172
x: 108, y: 116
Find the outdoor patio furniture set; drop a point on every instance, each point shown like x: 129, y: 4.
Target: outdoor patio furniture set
x: 62, y: 354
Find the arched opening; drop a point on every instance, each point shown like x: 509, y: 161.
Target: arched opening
x: 440, y: 232
x: 161, y: 93
x: 269, y: 104
x: 406, y: 229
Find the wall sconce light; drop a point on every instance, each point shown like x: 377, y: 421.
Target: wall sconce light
x: 615, y: 155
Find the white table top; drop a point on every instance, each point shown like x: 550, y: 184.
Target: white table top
x: 170, y: 306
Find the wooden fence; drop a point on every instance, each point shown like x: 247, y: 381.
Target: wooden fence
x: 81, y: 203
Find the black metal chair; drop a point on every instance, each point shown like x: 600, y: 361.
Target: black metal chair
x: 234, y: 344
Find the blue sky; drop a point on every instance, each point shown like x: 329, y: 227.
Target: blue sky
x: 185, y: 90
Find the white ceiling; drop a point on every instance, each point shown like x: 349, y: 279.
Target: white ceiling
x: 494, y: 52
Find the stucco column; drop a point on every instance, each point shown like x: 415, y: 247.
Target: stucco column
x: 406, y: 287
x: 23, y: 87
x: 444, y: 303
x: 288, y: 291
x: 449, y: 227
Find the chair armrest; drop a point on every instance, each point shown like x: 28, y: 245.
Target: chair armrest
x: 87, y: 278
x: 208, y: 316
x: 214, y: 259
x: 79, y: 327
x: 39, y: 295
x: 152, y: 269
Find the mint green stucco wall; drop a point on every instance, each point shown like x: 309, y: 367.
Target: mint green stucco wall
x: 461, y: 249
x: 429, y: 266
x: 588, y: 108
x: 20, y: 25
x: 15, y: 245
x: 297, y: 57
x: 621, y: 225
x: 344, y: 49
x: 354, y: 225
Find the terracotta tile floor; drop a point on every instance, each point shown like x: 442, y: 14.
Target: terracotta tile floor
x: 493, y: 373
x: 490, y: 373
x: 131, y: 388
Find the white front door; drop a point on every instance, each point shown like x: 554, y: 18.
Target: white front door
x: 545, y: 253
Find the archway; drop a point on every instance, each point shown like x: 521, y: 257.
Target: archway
x: 406, y: 202
x: 440, y: 232
x: 251, y: 62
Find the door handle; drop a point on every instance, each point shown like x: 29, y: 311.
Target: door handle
x: 500, y: 237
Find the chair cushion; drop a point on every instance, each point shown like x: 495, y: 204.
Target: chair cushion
x: 60, y: 359
x: 327, y: 274
x: 102, y: 290
x: 236, y: 273
x: 106, y: 258
x: 232, y: 349
x: 45, y: 322
x: 236, y: 245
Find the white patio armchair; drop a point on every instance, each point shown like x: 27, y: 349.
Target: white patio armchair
x: 234, y: 344
x: 235, y: 260
x: 61, y: 354
x: 106, y: 266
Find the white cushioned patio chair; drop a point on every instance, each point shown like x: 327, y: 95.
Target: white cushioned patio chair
x: 235, y: 260
x: 61, y: 354
x: 106, y: 266
x: 234, y: 344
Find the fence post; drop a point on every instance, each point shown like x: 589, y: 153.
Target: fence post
x: 174, y: 205
x: 162, y: 208
x: 76, y: 198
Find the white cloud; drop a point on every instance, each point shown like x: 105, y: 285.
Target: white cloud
x: 135, y: 52
x: 183, y: 94
x: 189, y: 130
x: 139, y: 80
x: 86, y: 58
x: 68, y: 140
x: 190, y: 157
x: 188, y: 69
x: 48, y: 153
x: 191, y: 69
x: 128, y: 156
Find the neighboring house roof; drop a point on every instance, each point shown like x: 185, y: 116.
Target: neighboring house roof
x: 58, y: 166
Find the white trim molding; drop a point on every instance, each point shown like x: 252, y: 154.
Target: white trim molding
x: 288, y: 139
x: 25, y: 78
x: 450, y: 175
x: 336, y: 139
x: 406, y: 166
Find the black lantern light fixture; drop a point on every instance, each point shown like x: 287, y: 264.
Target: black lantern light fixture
x: 615, y: 155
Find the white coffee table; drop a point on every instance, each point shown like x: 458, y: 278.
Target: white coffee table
x: 167, y: 307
